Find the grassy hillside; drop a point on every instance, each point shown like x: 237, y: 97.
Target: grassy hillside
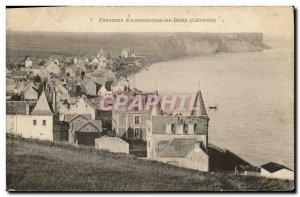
x: 34, y: 165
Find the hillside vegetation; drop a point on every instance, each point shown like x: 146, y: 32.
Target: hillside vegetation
x: 34, y: 165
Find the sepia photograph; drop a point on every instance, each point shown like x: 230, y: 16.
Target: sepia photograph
x: 150, y: 99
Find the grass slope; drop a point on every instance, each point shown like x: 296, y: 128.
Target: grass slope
x: 34, y: 165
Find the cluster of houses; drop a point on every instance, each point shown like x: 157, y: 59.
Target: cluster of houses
x: 61, y: 103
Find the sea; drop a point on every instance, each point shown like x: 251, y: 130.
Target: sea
x: 253, y: 92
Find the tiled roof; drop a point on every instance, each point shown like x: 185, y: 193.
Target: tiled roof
x: 90, y: 103
x: 42, y: 106
x: 199, y: 105
x: 96, y: 123
x: 18, y: 73
x: 70, y: 117
x: 111, y: 140
x: 16, y: 107
x: 177, y: 147
x: 273, y: 167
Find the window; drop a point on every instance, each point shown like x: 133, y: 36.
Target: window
x: 44, y: 122
x: 136, y: 119
x: 34, y: 122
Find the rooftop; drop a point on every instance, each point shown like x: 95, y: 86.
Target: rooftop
x: 273, y: 167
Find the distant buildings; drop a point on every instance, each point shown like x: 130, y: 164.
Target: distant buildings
x: 52, y: 100
x: 28, y: 62
x: 120, y: 85
x: 126, y: 53
x: 278, y: 171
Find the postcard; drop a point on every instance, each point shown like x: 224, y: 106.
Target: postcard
x: 153, y: 99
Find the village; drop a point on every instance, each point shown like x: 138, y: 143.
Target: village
x: 59, y: 99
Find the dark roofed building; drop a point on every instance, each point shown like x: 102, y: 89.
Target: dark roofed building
x: 275, y: 170
x: 19, y: 75
x: 19, y: 107
x: 273, y: 167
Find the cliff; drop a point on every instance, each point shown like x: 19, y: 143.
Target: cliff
x: 202, y: 44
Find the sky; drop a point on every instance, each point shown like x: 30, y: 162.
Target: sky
x: 272, y: 21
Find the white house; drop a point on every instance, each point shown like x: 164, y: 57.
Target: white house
x: 120, y: 85
x: 28, y: 62
x: 275, y: 170
x: 112, y: 144
x: 79, y: 106
x: 126, y: 53
x: 37, y: 124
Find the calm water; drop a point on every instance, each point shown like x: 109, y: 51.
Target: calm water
x: 254, y: 93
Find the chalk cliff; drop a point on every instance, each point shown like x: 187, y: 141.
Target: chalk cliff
x: 202, y: 44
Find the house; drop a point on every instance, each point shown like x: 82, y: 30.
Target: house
x: 51, y: 66
x: 102, y: 59
x: 19, y: 76
x: 71, y: 70
x: 62, y: 92
x: 82, y: 129
x: 29, y: 92
x: 182, y: 152
x: 104, y: 93
x: 177, y: 139
x: 120, y: 85
x: 131, y: 124
x: 81, y: 105
x: 28, y: 62
x: 19, y: 88
x: 10, y: 85
x: 8, y: 72
x: 36, y: 124
x: 126, y: 53
x: 80, y: 65
x: 90, y: 86
x: 112, y: 144
x: 278, y: 171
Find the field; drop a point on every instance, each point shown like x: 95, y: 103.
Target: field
x: 34, y: 165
